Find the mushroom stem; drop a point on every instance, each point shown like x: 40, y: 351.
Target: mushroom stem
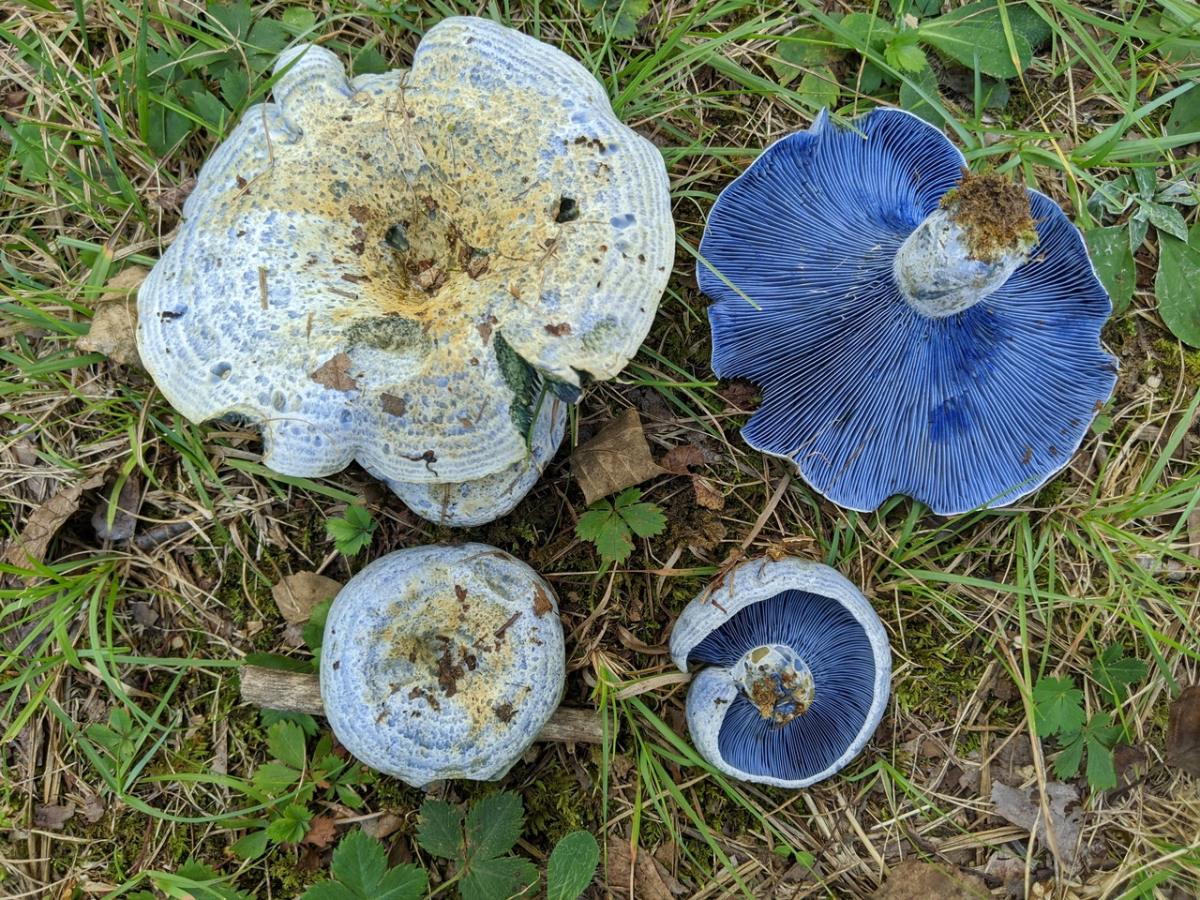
x: 967, y: 248
x: 776, y: 680
x: 301, y: 692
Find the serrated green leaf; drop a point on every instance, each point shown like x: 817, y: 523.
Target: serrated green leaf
x: 986, y: 13
x: 235, y: 87
x: 290, y: 826
x: 644, y: 519
x: 236, y: 18
x: 1059, y: 706
x: 1110, y: 253
x: 274, y: 778
x: 1067, y: 764
x: 1113, y: 669
x: 614, y: 542
x: 440, y: 829
x: 285, y: 741
x: 867, y: 30
x: 904, y: 54
x: 491, y: 879
x: 592, y: 522
x: 208, y: 108
x: 1185, y: 113
x: 1100, y: 736
x: 313, y: 631
x: 572, y: 866
x: 207, y: 883
x: 403, y: 882
x: 252, y: 846
x: 328, y: 890
x: 493, y: 825
x: 617, y: 17
x: 297, y: 19
x: 269, y: 717
x: 359, y: 863
x: 801, y: 48
x: 1175, y: 286
x: 352, y: 533
x: 818, y: 89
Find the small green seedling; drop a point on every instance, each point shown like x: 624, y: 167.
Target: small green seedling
x: 352, y: 533
x: 611, y: 526
x: 1058, y: 708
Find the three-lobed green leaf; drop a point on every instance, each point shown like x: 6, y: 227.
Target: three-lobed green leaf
x: 359, y: 871
x: 353, y: 532
x: 611, y: 526
x: 1058, y: 705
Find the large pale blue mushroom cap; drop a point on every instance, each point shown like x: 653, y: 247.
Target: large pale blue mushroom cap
x: 793, y: 672
x: 400, y: 269
x: 891, y: 361
x: 442, y: 662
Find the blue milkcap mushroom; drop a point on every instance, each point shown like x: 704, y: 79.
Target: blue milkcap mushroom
x: 442, y: 662
x: 793, y: 670
x: 915, y: 329
x: 408, y: 269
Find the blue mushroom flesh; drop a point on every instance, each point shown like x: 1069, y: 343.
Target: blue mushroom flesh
x: 870, y: 393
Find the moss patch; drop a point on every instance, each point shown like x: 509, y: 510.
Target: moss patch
x: 994, y: 212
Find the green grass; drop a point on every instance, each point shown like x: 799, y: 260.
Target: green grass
x: 109, y: 107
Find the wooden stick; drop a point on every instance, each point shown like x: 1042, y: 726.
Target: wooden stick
x: 301, y: 692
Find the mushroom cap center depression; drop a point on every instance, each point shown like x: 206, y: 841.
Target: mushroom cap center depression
x: 776, y: 680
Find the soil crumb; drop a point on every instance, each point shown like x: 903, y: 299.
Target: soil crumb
x: 994, y: 212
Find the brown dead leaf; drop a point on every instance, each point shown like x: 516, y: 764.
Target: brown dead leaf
x: 52, y: 816
x: 646, y: 876
x: 43, y: 524
x: 171, y: 200
x: 677, y: 460
x: 384, y: 826
x: 1022, y: 808
x: 912, y: 880
x: 1129, y: 762
x: 124, y: 521
x: 321, y: 832
x: 1183, y: 731
x: 21, y: 457
x: 297, y: 594
x: 114, y: 323
x: 739, y: 394
x: 616, y: 458
x: 393, y: 405
x: 707, y: 494
x: 542, y: 603
x: 334, y: 374
x: 92, y: 809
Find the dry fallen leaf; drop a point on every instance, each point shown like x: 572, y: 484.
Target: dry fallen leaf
x: 45, y: 521
x: 124, y: 521
x: 912, y: 880
x: 616, y: 458
x: 321, y: 832
x: 678, y: 459
x: 1022, y: 808
x: 334, y: 374
x: 114, y: 323
x: 21, y: 460
x: 541, y: 601
x: 1183, y: 731
x: 171, y: 200
x: 393, y: 405
x: 297, y: 594
x: 706, y: 493
x: 647, y: 875
x: 384, y: 826
x: 52, y: 816
x: 739, y: 394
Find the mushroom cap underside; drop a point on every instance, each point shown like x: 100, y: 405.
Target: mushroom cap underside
x: 818, y: 618
x: 867, y: 396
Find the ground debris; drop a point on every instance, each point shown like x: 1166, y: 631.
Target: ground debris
x: 1183, y: 731
x: 542, y: 603
x: 334, y: 374
x: 707, y: 494
x: 912, y: 880
x: 43, y: 524
x: 52, y: 816
x: 638, y: 869
x: 114, y: 324
x: 298, y: 593
x: 321, y: 832
x: 616, y: 458
x: 124, y: 519
x: 1022, y: 808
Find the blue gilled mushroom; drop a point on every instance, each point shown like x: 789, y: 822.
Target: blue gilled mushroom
x: 914, y: 329
x: 795, y: 670
x: 442, y: 662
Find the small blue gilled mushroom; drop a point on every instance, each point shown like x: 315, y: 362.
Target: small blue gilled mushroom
x: 798, y: 672
x: 442, y: 662
x: 915, y: 329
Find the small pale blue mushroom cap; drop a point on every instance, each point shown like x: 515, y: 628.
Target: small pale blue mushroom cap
x: 442, y: 662
x: 793, y: 670
x: 893, y: 357
x: 398, y: 269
